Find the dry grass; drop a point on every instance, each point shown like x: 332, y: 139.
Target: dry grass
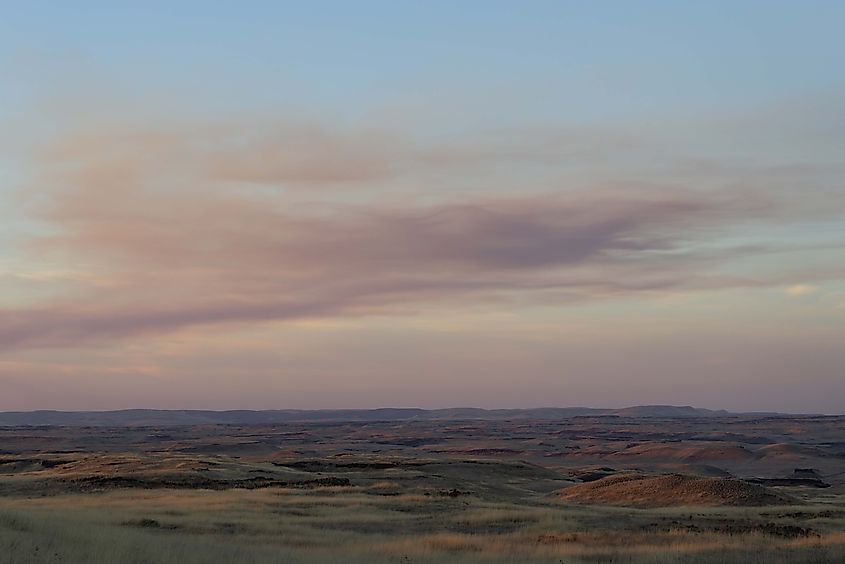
x: 672, y: 489
x: 278, y: 525
x: 403, y: 504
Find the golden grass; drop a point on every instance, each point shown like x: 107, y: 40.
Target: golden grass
x: 831, y: 539
x: 355, y: 524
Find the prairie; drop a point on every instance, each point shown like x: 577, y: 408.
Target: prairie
x: 410, y: 492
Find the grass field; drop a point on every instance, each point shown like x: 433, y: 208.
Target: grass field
x: 426, y: 492
x: 349, y: 525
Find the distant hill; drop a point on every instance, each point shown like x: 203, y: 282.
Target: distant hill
x: 155, y: 417
x: 668, y: 411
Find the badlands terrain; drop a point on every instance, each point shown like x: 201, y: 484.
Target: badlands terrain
x: 639, y: 485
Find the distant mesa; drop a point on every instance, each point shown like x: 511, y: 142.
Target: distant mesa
x: 667, y: 411
x: 157, y: 417
x: 639, y: 490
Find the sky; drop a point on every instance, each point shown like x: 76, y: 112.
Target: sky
x: 261, y: 205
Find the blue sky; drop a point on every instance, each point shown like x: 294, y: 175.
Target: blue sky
x: 409, y: 202
x: 568, y: 60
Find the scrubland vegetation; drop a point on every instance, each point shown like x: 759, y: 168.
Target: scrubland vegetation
x: 350, y: 525
x: 584, y: 491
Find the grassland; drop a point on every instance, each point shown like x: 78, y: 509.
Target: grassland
x: 349, y: 525
x: 134, y: 496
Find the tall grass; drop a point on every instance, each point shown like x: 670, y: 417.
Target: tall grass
x: 271, y: 527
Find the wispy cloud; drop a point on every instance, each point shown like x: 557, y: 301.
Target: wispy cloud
x: 184, y: 225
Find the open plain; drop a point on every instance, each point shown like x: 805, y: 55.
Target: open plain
x: 397, y: 486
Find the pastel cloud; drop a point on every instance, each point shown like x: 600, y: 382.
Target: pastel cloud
x: 184, y: 225
x: 238, y: 260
